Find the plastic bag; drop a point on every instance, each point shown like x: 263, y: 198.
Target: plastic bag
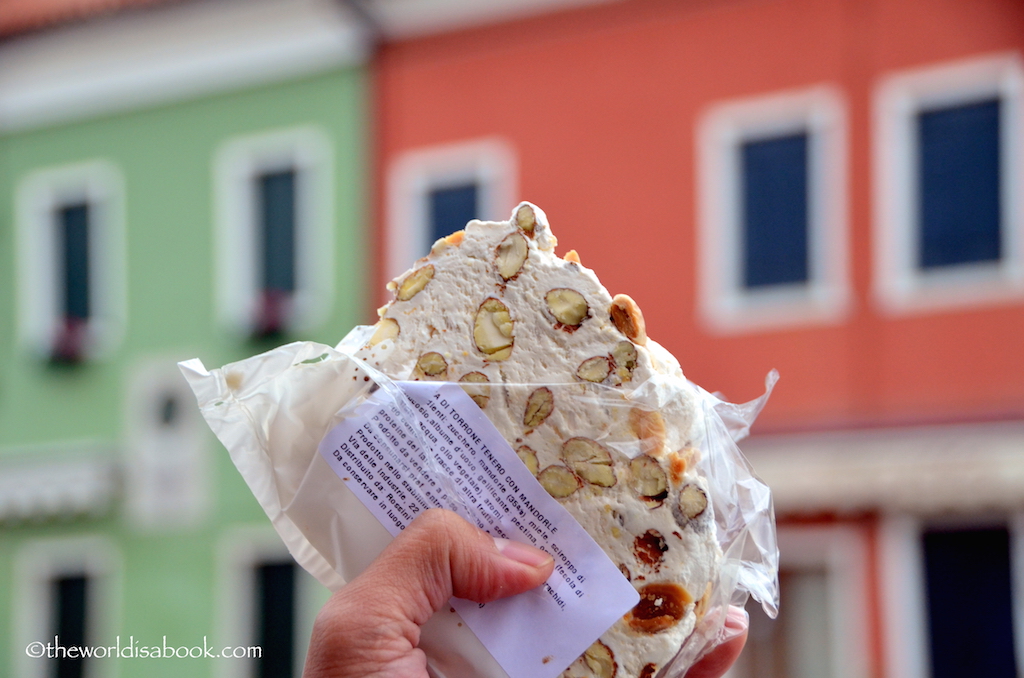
x: 272, y: 410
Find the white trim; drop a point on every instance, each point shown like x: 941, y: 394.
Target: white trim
x: 841, y: 553
x: 491, y: 163
x: 411, y: 18
x: 239, y: 550
x: 1016, y: 525
x: 906, y: 469
x: 898, y: 284
x: 167, y: 483
x: 725, y: 306
x: 904, y: 626
x: 168, y: 53
x: 57, y: 481
x: 36, y: 564
x: 236, y: 164
x: 100, y: 184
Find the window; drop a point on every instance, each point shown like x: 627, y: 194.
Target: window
x: 975, y: 563
x: 451, y: 208
x: 73, y: 273
x: 70, y: 234
x: 774, y: 217
x: 953, y: 597
x: 266, y: 600
x: 69, y: 594
x: 959, y: 185
x: 274, y: 199
x: 435, y: 191
x: 67, y: 588
x: 822, y: 629
x: 948, y: 222
x: 275, y: 618
x: 772, y: 212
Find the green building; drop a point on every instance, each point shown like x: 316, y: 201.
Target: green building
x: 181, y: 180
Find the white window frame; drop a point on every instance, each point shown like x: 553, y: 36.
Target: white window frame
x: 903, y: 588
x: 490, y: 163
x: 239, y: 551
x: 237, y: 163
x: 168, y: 473
x: 39, y: 194
x: 726, y: 307
x: 36, y: 564
x: 841, y: 551
x: 899, y: 286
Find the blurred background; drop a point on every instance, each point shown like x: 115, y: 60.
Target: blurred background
x: 832, y: 188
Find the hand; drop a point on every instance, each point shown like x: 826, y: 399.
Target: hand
x: 371, y: 627
x: 731, y: 639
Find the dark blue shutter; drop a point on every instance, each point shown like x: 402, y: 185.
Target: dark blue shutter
x: 970, y: 603
x: 275, y: 619
x: 74, y: 232
x: 277, y: 214
x: 959, y: 185
x: 451, y: 208
x: 70, y: 598
x: 774, y: 183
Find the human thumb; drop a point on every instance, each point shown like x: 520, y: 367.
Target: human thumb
x: 440, y: 555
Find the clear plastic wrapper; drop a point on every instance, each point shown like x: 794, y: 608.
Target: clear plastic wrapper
x: 271, y: 412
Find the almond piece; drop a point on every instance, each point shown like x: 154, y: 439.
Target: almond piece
x: 526, y: 219
x: 573, y: 257
x: 648, y: 671
x: 528, y: 457
x: 510, y: 255
x: 539, y: 407
x: 569, y: 307
x: 589, y: 460
x: 649, y: 427
x: 661, y: 607
x: 559, y: 481
x: 692, y: 503
x: 432, y: 365
x: 481, y: 395
x: 387, y: 328
x: 650, y: 548
x: 594, y: 369
x: 413, y: 283
x: 628, y: 319
x: 624, y: 356
x: 648, y: 480
x: 600, y: 660
x: 597, y: 661
x: 492, y: 330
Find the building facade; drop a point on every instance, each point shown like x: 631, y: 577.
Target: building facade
x: 181, y: 180
x: 831, y: 188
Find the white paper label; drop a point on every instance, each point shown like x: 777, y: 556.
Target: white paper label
x: 536, y: 634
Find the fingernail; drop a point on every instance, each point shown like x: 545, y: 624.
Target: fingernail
x: 737, y: 618
x: 521, y: 553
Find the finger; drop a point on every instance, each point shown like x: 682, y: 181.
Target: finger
x: 734, y: 634
x: 440, y: 555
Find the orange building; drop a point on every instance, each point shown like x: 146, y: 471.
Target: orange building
x: 832, y: 188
